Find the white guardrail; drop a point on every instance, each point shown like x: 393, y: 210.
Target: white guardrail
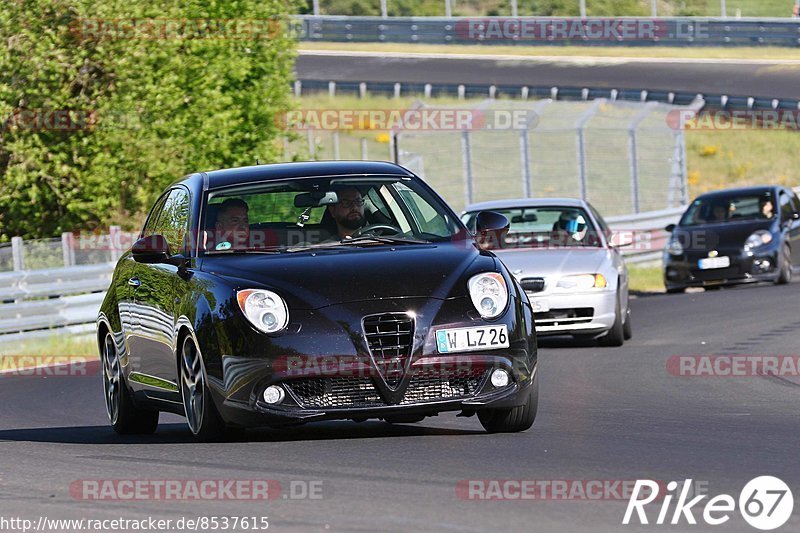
x: 37, y: 303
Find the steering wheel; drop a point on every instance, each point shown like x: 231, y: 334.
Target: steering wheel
x: 375, y: 227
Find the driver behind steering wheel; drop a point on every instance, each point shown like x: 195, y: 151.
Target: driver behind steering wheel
x: 348, y: 212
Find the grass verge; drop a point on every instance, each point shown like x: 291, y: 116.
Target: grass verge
x: 57, y: 345
x: 646, y: 278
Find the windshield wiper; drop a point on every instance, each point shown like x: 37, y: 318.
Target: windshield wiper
x: 243, y: 251
x: 383, y: 240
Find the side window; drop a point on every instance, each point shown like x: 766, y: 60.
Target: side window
x: 795, y: 203
x: 152, y: 220
x: 601, y: 222
x: 174, y: 220
x: 427, y: 218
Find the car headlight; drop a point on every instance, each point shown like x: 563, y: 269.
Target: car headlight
x: 674, y: 247
x: 583, y: 281
x: 489, y: 293
x: 264, y: 309
x: 758, y: 239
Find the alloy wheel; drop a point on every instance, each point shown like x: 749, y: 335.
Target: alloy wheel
x: 112, y: 382
x: 193, y: 385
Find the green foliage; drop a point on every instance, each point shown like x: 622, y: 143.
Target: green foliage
x: 146, y: 111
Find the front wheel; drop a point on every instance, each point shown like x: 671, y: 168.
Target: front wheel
x: 515, y: 419
x: 785, y: 274
x: 125, y: 417
x: 616, y: 335
x: 627, y: 327
x: 202, y: 417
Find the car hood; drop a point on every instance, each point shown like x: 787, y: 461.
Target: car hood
x: 549, y: 262
x: 327, y: 277
x: 724, y: 236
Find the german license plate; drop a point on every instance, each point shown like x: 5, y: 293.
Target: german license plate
x: 468, y: 339
x: 710, y: 263
x: 539, y: 305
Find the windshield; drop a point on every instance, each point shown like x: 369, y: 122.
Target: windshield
x: 299, y: 214
x: 720, y: 209
x: 544, y: 227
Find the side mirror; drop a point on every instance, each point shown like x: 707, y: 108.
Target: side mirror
x: 670, y: 228
x: 491, y: 229
x: 151, y: 249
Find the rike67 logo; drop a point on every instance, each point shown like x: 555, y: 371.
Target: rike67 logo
x: 765, y: 503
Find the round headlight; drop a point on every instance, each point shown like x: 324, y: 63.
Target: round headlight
x: 758, y: 239
x: 674, y: 247
x: 489, y: 293
x: 264, y: 309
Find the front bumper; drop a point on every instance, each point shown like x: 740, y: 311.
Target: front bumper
x: 683, y: 271
x: 587, y: 312
x: 258, y: 413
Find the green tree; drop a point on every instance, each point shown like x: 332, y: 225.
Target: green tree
x: 98, y: 117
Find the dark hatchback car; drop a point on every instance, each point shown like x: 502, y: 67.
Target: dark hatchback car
x: 243, y: 305
x: 734, y: 236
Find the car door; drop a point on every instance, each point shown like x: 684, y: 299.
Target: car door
x: 154, y: 299
x: 127, y: 281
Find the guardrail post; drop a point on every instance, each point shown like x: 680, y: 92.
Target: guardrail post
x: 428, y: 89
x: 466, y: 166
x: 448, y: 11
x: 384, y: 10
x: 583, y: 9
x: 298, y: 88
x: 397, y: 90
x: 462, y: 91
x: 514, y: 8
x: 316, y: 8
x: 362, y: 90
x: 68, y: 248
x: 18, y: 253
x: 115, y: 242
x: 331, y: 89
x: 364, y: 154
x: 654, y: 8
x: 312, y: 149
x: 723, y: 8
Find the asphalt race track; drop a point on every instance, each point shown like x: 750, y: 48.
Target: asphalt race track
x: 742, y: 78
x: 605, y: 414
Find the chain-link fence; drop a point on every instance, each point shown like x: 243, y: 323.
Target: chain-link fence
x: 624, y: 157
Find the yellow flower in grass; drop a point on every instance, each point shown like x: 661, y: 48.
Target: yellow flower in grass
x: 382, y: 138
x: 694, y: 177
x: 709, y: 150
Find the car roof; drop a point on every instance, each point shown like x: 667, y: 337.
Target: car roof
x: 761, y: 189
x: 525, y: 202
x: 216, y: 179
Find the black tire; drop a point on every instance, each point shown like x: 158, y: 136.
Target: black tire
x: 627, y: 327
x: 785, y: 265
x: 514, y: 419
x: 616, y: 335
x: 125, y: 417
x: 676, y: 290
x: 202, y: 417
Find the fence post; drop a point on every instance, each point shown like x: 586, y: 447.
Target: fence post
x: 18, y: 253
x: 653, y: 8
x: 384, y: 10
x: 514, y: 8
x: 723, y: 9
x: 312, y: 149
x: 525, y: 158
x: 466, y: 166
x: 316, y: 8
x: 68, y: 248
x: 364, y: 154
x: 581, y: 145
x: 448, y: 11
x: 115, y: 238
x: 336, y: 153
x: 583, y: 9
x: 633, y: 153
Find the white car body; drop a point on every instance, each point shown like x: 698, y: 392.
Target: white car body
x: 559, y: 310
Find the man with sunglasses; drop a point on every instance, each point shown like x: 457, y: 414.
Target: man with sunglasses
x: 348, y: 213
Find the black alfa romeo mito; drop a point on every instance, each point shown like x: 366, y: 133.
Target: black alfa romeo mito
x: 281, y: 294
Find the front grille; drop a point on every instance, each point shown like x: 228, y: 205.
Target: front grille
x: 532, y: 284
x: 556, y: 317
x: 335, y: 392
x: 353, y: 392
x: 389, y: 338
x: 432, y: 386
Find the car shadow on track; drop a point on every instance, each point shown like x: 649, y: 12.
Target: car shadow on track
x: 179, y: 434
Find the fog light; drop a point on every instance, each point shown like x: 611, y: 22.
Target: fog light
x: 499, y: 378
x: 273, y: 394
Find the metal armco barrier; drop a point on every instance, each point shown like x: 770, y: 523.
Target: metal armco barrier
x: 687, y: 31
